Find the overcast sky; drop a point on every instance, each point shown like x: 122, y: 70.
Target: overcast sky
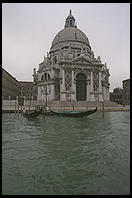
x: 28, y: 30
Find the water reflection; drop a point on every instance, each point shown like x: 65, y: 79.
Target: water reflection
x: 59, y: 155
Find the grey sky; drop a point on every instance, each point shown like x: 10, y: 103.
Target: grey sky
x: 28, y: 31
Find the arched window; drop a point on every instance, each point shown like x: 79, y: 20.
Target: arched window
x: 45, y: 76
x: 55, y: 59
x: 75, y: 36
x: 42, y: 78
x: 48, y: 76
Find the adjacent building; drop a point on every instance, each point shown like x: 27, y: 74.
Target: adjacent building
x: 70, y: 71
x: 10, y: 86
x: 25, y: 91
x: 126, y: 92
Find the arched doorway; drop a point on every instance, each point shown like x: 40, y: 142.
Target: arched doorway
x: 81, y: 87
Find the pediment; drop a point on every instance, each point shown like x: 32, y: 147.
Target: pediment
x: 82, y: 60
x: 43, y: 69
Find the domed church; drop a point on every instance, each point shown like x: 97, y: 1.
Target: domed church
x: 70, y: 71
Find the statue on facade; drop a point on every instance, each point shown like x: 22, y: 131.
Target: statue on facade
x: 92, y: 54
x: 68, y: 78
x: 99, y: 59
x: 34, y: 70
x: 95, y: 87
x: 47, y: 54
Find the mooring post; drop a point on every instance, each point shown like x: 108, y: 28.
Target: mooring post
x: 15, y: 107
x: 64, y: 105
x: 87, y: 106
x: 44, y: 112
x: 18, y: 111
x: 103, y: 109
x: 21, y: 109
x: 73, y: 106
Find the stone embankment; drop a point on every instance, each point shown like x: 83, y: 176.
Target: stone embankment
x: 79, y: 105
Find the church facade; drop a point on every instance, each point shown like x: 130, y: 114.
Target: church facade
x: 70, y: 72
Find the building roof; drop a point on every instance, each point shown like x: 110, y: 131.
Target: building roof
x: 126, y: 80
x: 25, y: 82
x: 8, y: 74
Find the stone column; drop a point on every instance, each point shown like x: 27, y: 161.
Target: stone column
x: 92, y: 98
x: 63, y: 79
x: 91, y: 81
x: 108, y: 94
x: 63, y: 94
x: 52, y: 93
x: 88, y: 91
x: 72, y: 80
x: 72, y: 87
x: 100, y: 87
x: 104, y: 92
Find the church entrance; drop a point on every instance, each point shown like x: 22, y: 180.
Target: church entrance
x: 81, y: 87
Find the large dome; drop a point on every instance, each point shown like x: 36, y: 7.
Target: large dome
x: 70, y: 34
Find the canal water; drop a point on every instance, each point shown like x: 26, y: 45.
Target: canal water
x: 66, y: 156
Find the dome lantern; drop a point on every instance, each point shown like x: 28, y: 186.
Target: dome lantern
x: 70, y: 21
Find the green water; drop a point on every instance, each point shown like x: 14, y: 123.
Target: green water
x: 66, y: 156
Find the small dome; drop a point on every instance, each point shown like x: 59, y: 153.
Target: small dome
x: 70, y: 34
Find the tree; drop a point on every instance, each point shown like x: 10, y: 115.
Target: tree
x: 118, y: 90
x: 117, y: 95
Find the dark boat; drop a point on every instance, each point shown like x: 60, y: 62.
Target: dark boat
x: 74, y: 113
x: 32, y: 113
